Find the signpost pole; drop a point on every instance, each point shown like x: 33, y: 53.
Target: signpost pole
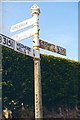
x: 35, y: 11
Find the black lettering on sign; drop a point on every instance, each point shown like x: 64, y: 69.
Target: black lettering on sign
x: 21, y: 48
x: 4, y: 40
x: 47, y: 46
x: 28, y: 52
x: 24, y: 49
x: 27, y: 48
x: 8, y: 42
x: 0, y: 39
x: 43, y: 44
x: 18, y: 47
x: 51, y: 47
x: 61, y: 50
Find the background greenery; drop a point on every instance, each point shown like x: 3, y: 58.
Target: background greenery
x: 60, y: 80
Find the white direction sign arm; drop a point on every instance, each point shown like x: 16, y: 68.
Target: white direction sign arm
x: 22, y: 25
x: 23, y: 35
x: 18, y: 47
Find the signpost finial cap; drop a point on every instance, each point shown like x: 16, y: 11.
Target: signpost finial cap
x: 35, y: 9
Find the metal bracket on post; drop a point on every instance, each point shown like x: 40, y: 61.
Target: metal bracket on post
x: 35, y: 11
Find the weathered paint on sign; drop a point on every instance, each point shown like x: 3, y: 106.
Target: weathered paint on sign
x: 10, y: 43
x: 51, y: 47
x: 22, y: 25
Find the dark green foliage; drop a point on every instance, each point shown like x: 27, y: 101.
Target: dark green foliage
x: 60, y: 80
x: 17, y: 77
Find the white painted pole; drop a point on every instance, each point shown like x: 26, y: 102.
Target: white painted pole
x: 35, y: 11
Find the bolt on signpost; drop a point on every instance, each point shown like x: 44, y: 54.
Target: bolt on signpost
x: 35, y: 11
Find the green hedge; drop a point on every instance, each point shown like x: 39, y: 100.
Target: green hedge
x: 60, y: 80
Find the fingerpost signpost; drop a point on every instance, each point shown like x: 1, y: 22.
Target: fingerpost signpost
x: 34, y: 52
x: 35, y: 11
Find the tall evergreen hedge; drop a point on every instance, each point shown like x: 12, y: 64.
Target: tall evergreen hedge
x: 60, y: 80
